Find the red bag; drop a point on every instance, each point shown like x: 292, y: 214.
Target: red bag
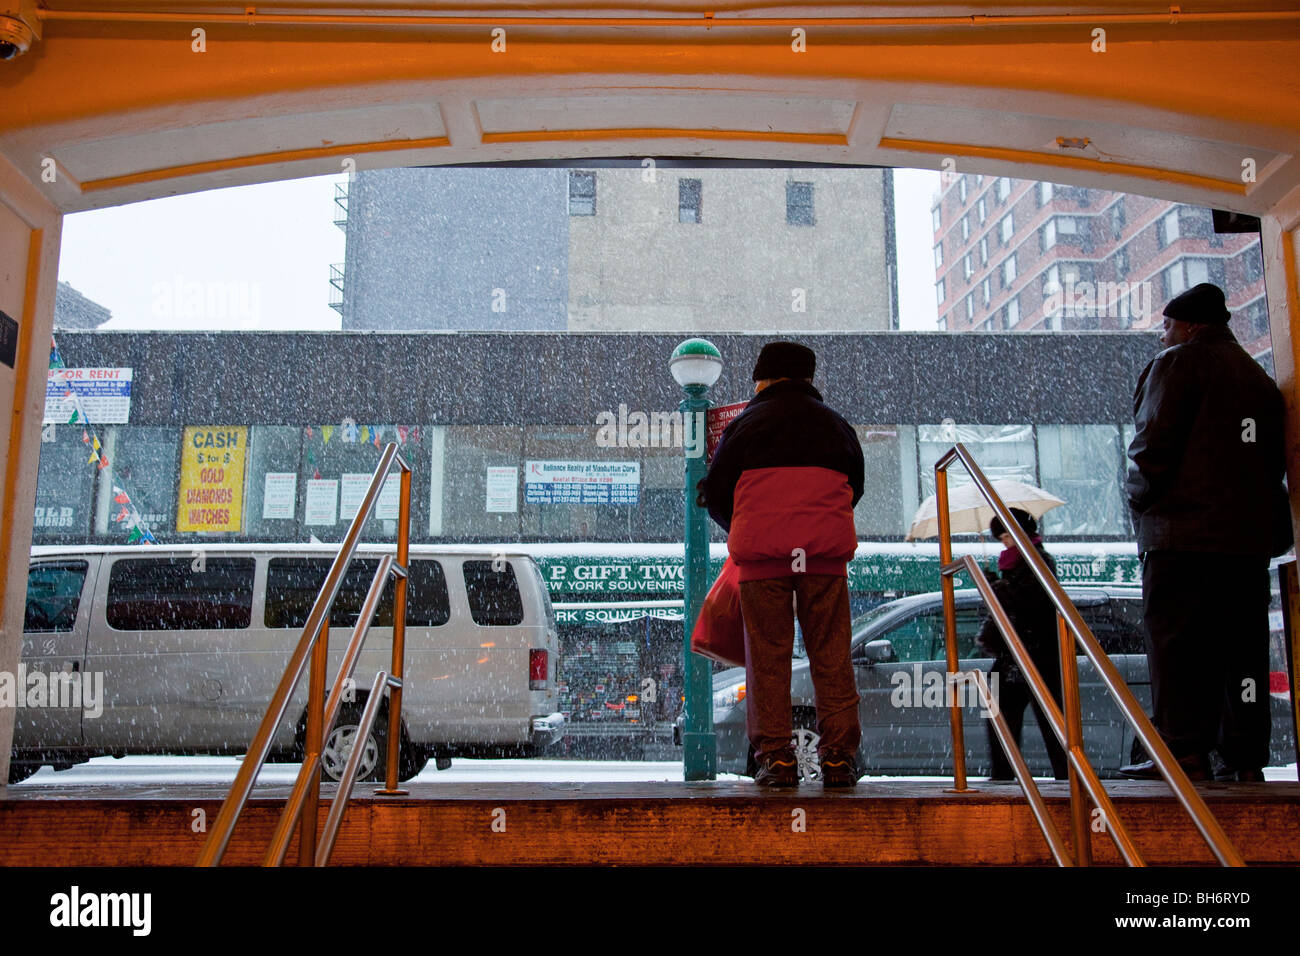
x: 719, y: 632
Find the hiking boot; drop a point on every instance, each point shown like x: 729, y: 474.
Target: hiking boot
x: 839, y: 770
x: 779, y: 769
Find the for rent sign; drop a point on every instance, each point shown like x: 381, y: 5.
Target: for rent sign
x: 212, y: 479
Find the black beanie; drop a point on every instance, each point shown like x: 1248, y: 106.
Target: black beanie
x: 1202, y: 304
x: 1026, y: 520
x: 785, y: 360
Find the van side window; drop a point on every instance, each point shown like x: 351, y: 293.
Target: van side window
x: 494, y: 598
x: 53, y: 596
x: 168, y: 594
x: 293, y: 583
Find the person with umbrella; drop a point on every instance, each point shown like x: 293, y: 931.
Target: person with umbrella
x: 1033, y: 616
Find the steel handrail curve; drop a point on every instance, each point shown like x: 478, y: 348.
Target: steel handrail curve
x: 219, y: 837
x: 1173, y: 774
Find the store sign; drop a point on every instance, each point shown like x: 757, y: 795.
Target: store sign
x: 664, y: 575
x: 716, y: 421
x: 582, y: 482
x: 596, y: 616
x: 103, y: 395
x: 502, y: 490
x: 212, y: 479
x: 279, y: 494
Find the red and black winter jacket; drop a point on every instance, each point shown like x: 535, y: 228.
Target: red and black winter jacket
x: 783, y: 483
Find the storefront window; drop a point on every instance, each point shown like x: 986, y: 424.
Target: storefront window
x: 880, y: 513
x: 144, y: 464
x: 337, y: 464
x: 63, y: 485
x: 473, y: 493
x: 1081, y: 464
x: 1001, y: 451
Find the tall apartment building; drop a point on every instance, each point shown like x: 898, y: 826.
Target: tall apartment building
x: 1018, y: 255
x: 618, y: 249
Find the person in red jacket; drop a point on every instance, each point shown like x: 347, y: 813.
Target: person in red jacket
x: 783, y: 483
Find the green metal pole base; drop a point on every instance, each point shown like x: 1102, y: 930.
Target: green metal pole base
x: 700, y: 756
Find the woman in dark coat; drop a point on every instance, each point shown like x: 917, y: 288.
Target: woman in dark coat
x: 1034, y: 618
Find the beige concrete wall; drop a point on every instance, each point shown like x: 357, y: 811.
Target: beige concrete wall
x: 30, y: 229
x: 634, y: 266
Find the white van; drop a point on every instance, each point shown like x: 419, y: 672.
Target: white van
x: 178, y: 649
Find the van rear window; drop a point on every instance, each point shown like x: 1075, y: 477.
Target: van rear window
x: 293, y: 583
x: 494, y: 598
x: 180, y: 594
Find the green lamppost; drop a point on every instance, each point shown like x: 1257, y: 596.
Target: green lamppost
x: 696, y: 365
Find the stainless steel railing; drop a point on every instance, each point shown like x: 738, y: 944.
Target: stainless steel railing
x: 1067, y: 726
x: 301, y: 808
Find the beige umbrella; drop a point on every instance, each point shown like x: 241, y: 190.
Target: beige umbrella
x: 970, y: 512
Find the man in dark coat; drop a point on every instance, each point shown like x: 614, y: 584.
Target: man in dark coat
x: 783, y: 483
x: 1205, y: 490
x: 1033, y: 615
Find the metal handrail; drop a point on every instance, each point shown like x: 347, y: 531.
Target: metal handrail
x: 314, y: 642
x: 1071, y: 631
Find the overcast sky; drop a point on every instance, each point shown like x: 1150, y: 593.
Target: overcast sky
x: 262, y: 256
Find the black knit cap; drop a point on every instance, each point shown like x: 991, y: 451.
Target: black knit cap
x: 1202, y: 304
x: 785, y: 360
x: 1025, y: 519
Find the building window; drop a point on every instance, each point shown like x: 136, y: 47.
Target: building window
x: 690, y: 196
x: 943, y: 323
x: 1006, y: 229
x: 1169, y: 227
x: 970, y: 306
x: 1003, y: 188
x: 799, y: 204
x: 1174, y: 281
x: 1011, y: 314
x: 1121, y: 262
x: 939, y: 291
x: 961, y: 188
x: 1117, y: 218
x: 1047, y: 235
x: 967, y: 266
x: 1009, y: 271
x: 937, y: 215
x: 1252, y: 263
x: 1067, y: 225
x: 938, y: 255
x: 1044, y: 193
x: 987, y: 288
x: 979, y: 181
x: 984, y: 251
x: 982, y: 209
x: 1198, y: 271
x: 582, y: 193
x: 965, y: 228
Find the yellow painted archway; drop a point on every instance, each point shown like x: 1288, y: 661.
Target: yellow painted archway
x: 115, y: 102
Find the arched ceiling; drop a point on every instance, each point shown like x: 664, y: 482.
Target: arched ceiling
x: 116, y: 100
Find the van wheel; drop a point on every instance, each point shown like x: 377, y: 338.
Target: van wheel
x: 339, y: 744
x: 805, y: 739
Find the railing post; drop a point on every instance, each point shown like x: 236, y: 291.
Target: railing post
x: 399, y: 635
x: 1074, y: 743
x: 313, y: 744
x: 950, y: 634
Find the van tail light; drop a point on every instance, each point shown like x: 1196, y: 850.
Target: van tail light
x: 537, y: 668
x: 1278, y: 683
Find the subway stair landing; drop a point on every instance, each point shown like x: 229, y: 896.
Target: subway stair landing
x: 881, y: 822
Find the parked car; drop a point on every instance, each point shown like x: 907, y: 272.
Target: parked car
x: 899, y: 658
x: 187, y: 645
